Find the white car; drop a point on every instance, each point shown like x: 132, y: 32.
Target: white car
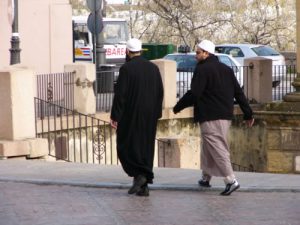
x: 243, y: 51
x: 186, y: 63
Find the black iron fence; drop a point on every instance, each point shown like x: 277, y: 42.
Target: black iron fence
x: 282, y: 78
x: 104, y: 88
x: 73, y: 136
x: 285, y: 75
x: 57, y: 88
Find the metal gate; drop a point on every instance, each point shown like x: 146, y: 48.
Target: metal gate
x: 73, y: 136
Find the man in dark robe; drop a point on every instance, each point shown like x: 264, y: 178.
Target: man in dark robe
x: 137, y: 106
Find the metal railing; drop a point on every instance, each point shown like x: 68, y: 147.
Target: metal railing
x: 74, y: 137
x: 184, y: 78
x: 104, y: 88
x: 285, y: 75
x: 57, y: 88
x: 282, y: 78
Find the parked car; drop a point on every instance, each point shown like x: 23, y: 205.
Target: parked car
x: 186, y: 63
x: 242, y: 51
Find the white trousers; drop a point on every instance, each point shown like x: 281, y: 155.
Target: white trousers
x: 215, y: 156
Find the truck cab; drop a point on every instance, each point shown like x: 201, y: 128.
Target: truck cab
x: 115, y: 33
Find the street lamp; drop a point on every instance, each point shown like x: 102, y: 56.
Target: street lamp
x: 15, y: 41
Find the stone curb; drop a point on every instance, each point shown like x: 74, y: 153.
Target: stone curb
x: 172, y: 187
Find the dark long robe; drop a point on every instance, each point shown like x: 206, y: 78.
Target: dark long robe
x: 137, y: 106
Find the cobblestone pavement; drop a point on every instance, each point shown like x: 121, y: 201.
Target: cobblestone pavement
x: 30, y: 204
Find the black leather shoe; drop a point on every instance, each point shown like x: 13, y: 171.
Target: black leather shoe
x: 204, y: 183
x: 144, y: 191
x: 138, y: 182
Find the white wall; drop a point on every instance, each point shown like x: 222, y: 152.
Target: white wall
x: 45, y: 29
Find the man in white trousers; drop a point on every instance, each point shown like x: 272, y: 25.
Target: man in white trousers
x: 213, y: 90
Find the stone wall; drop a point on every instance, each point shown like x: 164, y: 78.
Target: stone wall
x: 248, y: 146
x: 271, y: 145
x: 283, y: 140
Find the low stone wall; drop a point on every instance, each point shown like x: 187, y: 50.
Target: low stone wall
x: 248, y: 146
x: 271, y: 145
x: 282, y: 140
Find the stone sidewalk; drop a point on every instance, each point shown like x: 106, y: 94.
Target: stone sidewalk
x: 103, y: 176
x: 59, y: 193
x: 30, y: 204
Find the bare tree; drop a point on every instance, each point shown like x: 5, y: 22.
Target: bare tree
x: 271, y: 22
x: 186, y: 21
x: 254, y: 21
x: 262, y: 22
x: 78, y: 7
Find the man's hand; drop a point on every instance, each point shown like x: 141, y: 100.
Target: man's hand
x: 250, y: 122
x: 175, y: 109
x: 114, y: 124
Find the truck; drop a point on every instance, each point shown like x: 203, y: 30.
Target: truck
x: 115, y: 34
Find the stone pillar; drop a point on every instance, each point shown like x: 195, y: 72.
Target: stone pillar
x: 17, y: 123
x: 295, y: 96
x: 17, y: 88
x: 84, y: 97
x: 258, y: 83
x: 167, y: 69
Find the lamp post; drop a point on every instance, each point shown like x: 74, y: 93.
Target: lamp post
x: 15, y: 41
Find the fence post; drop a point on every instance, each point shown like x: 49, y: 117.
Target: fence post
x: 84, y: 97
x: 258, y: 83
x: 167, y: 69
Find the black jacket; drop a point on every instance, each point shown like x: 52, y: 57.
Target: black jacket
x: 213, y: 90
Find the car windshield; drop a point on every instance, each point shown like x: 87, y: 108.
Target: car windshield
x: 233, y: 51
x: 115, y: 32
x: 264, y: 51
x: 184, y: 62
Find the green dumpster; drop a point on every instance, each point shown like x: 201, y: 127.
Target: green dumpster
x: 157, y: 51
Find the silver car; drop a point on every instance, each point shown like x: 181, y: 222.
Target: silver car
x: 243, y: 51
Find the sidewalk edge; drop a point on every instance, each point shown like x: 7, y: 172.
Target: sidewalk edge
x: 172, y: 187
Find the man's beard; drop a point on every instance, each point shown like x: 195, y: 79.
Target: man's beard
x: 127, y: 58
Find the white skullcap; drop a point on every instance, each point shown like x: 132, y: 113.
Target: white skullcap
x: 134, y: 45
x: 207, y: 45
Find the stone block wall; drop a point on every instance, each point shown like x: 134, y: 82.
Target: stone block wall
x: 271, y: 145
x: 247, y: 146
x: 283, y: 141
x: 176, y: 152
